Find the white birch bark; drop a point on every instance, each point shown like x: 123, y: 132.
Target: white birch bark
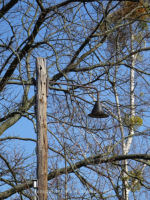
x: 132, y: 106
x: 132, y: 103
x: 126, y: 146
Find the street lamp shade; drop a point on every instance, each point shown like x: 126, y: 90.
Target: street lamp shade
x: 97, y: 111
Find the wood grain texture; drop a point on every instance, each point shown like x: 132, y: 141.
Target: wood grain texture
x: 41, y: 106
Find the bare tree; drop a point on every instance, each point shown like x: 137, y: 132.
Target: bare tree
x: 93, y: 43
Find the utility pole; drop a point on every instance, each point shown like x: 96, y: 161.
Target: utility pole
x: 42, y: 86
x: 41, y: 118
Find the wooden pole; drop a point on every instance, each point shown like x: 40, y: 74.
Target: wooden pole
x: 41, y: 116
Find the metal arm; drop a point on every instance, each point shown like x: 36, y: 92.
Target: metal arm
x: 60, y: 83
x: 97, y: 111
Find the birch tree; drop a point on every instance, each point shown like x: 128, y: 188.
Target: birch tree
x: 130, y: 120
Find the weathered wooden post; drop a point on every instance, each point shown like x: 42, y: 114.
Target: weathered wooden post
x: 41, y: 117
